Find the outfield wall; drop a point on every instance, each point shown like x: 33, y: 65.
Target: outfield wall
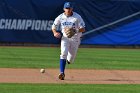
x: 112, y: 22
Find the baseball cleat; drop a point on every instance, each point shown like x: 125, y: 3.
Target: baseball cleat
x: 61, y: 76
x: 68, y: 62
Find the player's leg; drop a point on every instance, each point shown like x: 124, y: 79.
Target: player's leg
x: 71, y: 56
x: 74, y: 44
x: 63, y: 56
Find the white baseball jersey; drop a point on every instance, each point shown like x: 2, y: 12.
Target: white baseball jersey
x: 75, y: 21
x: 69, y: 46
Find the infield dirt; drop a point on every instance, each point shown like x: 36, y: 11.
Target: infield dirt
x: 77, y: 76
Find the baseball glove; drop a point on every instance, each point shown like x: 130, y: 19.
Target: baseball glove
x: 69, y: 32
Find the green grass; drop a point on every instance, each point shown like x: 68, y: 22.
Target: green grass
x: 68, y: 88
x: 87, y: 58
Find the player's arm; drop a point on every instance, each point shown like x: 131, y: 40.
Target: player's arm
x: 81, y: 25
x: 55, y: 33
x: 54, y: 27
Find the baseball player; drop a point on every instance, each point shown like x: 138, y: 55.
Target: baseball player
x: 72, y: 26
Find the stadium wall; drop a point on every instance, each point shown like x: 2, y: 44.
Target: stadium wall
x: 108, y: 22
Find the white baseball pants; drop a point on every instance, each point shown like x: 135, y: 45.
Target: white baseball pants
x: 69, y: 47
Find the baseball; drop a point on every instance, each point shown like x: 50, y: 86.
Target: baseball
x: 42, y: 70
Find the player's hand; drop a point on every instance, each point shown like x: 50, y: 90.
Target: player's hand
x: 57, y: 35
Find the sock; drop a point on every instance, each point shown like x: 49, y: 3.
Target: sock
x: 62, y: 65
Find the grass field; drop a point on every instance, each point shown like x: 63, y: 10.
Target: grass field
x: 68, y: 88
x: 87, y: 58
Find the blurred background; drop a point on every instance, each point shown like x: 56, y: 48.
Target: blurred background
x: 108, y: 22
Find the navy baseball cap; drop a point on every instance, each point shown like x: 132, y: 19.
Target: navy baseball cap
x: 68, y: 5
